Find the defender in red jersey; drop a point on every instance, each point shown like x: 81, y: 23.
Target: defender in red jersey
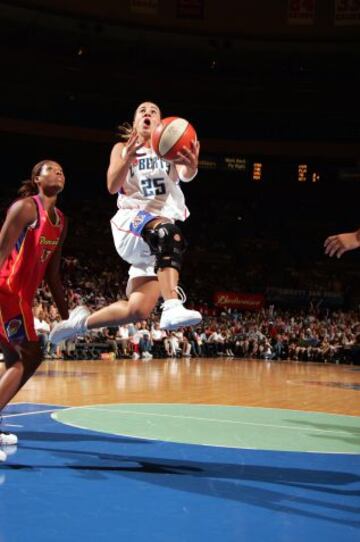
x: 30, y: 250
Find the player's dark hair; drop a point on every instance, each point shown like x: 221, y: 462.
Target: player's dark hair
x: 29, y: 186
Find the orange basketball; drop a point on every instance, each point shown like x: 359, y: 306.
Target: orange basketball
x: 172, y: 134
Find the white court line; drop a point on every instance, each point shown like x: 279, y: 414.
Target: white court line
x: 243, y: 407
x: 31, y: 403
x: 211, y: 420
x: 12, y: 425
x: 28, y: 413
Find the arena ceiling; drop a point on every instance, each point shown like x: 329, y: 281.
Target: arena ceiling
x: 87, y: 63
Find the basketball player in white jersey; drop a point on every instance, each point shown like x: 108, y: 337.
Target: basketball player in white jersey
x: 149, y: 200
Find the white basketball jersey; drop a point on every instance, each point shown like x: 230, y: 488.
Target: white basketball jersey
x: 153, y: 185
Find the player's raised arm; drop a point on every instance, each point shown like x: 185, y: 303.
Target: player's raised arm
x: 122, y: 155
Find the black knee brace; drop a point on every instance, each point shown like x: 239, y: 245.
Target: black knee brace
x: 167, y: 244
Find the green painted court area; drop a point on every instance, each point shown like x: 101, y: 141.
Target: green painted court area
x: 228, y: 426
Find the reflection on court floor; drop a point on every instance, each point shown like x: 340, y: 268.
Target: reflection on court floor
x: 67, y: 483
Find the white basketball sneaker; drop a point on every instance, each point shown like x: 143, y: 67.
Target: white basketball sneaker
x: 175, y: 315
x: 74, y: 325
x: 7, y: 439
x: 3, y: 456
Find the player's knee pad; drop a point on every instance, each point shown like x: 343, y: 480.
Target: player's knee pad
x: 167, y: 243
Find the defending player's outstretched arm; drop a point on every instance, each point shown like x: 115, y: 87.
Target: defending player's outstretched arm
x: 337, y: 245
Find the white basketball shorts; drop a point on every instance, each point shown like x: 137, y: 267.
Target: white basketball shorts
x: 126, y: 227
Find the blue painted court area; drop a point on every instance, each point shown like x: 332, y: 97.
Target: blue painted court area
x: 64, y: 483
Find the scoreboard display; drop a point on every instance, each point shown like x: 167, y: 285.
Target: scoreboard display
x: 224, y: 163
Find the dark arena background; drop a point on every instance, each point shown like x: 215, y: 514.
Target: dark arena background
x: 247, y: 426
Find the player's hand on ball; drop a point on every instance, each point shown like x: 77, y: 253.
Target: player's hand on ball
x: 189, y: 157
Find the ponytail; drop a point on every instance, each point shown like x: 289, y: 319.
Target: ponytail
x: 124, y: 131
x: 29, y: 187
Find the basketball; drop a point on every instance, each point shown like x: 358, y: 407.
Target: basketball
x: 172, y: 134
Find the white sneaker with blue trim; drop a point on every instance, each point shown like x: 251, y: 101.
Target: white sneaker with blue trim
x: 174, y: 315
x: 74, y: 325
x: 7, y: 439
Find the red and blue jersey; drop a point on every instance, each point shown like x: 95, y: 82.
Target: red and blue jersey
x: 23, y: 272
x: 25, y: 267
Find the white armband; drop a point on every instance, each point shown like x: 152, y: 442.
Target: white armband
x: 187, y: 179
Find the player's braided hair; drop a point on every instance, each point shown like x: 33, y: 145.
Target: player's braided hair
x: 29, y: 187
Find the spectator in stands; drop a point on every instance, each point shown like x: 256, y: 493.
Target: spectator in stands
x: 217, y: 340
x: 193, y: 339
x: 123, y: 340
x: 134, y: 338
x: 143, y: 333
x: 266, y: 350
x: 171, y: 344
x: 109, y: 336
x: 157, y: 338
x: 42, y: 329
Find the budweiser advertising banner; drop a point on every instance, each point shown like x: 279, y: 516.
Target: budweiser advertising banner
x: 248, y: 302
